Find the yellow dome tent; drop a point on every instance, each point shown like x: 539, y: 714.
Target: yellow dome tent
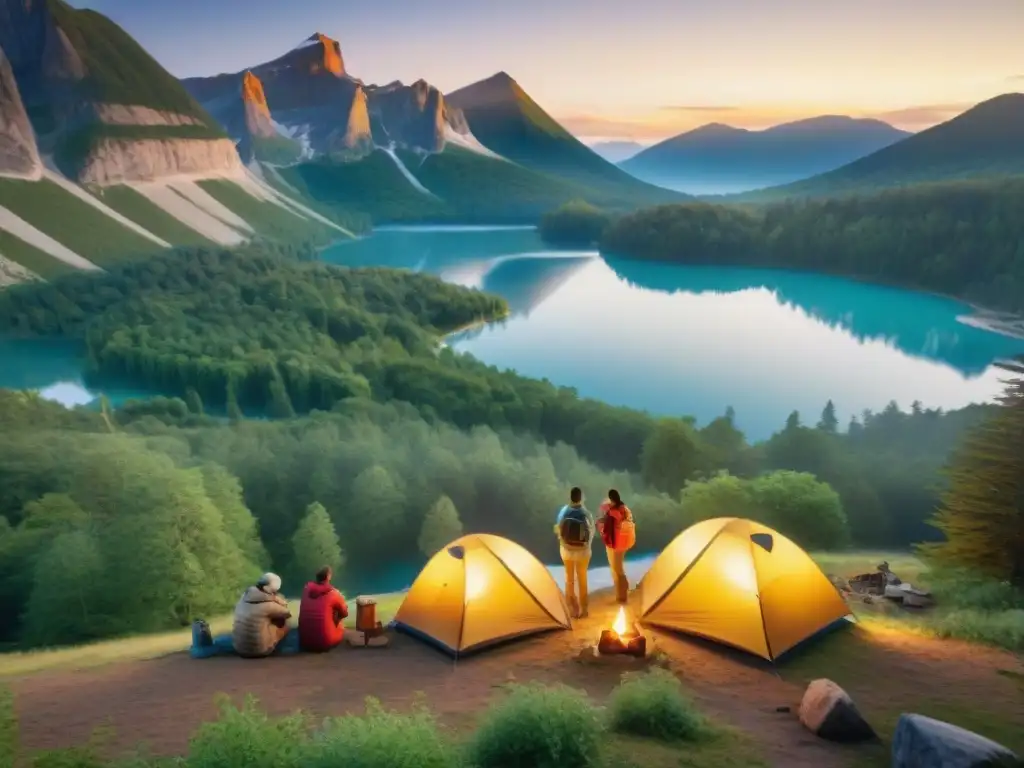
x: 740, y: 583
x: 478, y: 591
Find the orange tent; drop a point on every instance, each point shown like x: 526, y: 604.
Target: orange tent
x: 740, y: 583
x: 478, y: 591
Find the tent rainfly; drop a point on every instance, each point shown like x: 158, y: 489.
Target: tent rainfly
x: 478, y: 591
x: 740, y: 583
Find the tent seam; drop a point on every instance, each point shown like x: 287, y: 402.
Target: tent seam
x: 686, y: 570
x: 760, y: 605
x: 525, y: 588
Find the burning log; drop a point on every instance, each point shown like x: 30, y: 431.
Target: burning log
x: 622, y: 638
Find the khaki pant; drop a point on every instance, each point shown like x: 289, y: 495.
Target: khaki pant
x: 576, y: 572
x: 616, y: 560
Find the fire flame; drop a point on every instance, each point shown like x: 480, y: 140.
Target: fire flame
x: 620, y: 626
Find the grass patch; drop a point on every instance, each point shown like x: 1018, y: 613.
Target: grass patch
x: 19, y: 663
x: 30, y: 257
x: 276, y: 149
x: 149, y: 216
x: 539, y: 726
x: 73, y: 222
x: 119, y: 70
x: 653, y: 705
x: 372, y: 186
x: 268, y: 219
x: 725, y: 749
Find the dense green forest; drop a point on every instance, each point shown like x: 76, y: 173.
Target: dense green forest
x: 964, y: 239
x: 89, y: 499
x: 379, y: 444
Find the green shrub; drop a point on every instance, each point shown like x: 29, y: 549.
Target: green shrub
x: 381, y: 739
x: 540, y: 727
x: 654, y: 705
x: 1004, y: 629
x: 962, y: 589
x: 248, y: 737
x: 8, y: 727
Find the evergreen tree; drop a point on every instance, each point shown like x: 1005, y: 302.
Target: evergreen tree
x: 829, y: 423
x: 233, y: 408
x: 280, y: 406
x: 982, y: 511
x: 671, y: 455
x: 194, y: 402
x: 440, y: 526
x: 375, y: 510
x: 793, y: 421
x: 61, y: 607
x: 315, y: 543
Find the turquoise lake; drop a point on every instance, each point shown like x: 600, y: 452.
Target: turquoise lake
x: 672, y: 340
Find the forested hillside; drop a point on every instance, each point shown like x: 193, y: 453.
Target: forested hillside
x: 405, y: 444
x: 964, y: 239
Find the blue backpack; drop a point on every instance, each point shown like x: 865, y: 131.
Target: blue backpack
x: 574, y: 530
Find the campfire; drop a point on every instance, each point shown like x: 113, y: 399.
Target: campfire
x: 623, y: 637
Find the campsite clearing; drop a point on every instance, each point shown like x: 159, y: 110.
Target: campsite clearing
x: 160, y: 702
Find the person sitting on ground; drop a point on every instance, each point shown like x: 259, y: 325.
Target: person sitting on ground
x: 618, y: 533
x: 575, y: 529
x: 321, y: 614
x: 261, y: 618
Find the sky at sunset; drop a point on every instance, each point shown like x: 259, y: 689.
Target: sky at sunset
x: 643, y: 69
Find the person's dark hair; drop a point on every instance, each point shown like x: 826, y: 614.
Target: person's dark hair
x: 323, y: 575
x: 575, y: 495
x: 614, y: 498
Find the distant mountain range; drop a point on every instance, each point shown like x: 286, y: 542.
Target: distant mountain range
x: 986, y: 141
x: 617, y: 151
x: 104, y: 155
x: 718, y: 158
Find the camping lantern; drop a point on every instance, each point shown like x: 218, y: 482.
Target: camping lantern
x: 622, y: 638
x: 366, y: 614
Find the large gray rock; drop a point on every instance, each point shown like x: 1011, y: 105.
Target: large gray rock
x: 19, y: 155
x: 922, y: 742
x: 827, y: 711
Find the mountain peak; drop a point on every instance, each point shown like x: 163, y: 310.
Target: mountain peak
x: 497, y: 89
x: 252, y: 92
x: 330, y: 58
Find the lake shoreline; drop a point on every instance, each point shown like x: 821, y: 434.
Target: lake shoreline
x: 1000, y: 321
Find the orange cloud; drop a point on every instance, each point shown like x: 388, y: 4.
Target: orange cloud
x: 1015, y: 79
x: 922, y: 116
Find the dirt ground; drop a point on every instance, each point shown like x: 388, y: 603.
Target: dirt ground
x: 161, y: 702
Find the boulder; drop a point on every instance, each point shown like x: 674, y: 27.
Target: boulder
x: 921, y: 742
x: 827, y: 711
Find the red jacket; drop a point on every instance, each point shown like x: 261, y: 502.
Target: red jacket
x: 321, y: 613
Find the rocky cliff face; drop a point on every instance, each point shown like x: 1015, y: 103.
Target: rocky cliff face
x: 312, y: 94
x: 115, y: 161
x: 19, y: 155
x: 308, y: 92
x: 257, y: 111
x: 411, y: 115
x: 87, y: 113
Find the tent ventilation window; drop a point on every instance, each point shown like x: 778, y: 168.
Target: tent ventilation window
x: 763, y: 540
x: 457, y: 552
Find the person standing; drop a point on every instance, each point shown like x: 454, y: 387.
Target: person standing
x: 575, y: 530
x: 618, y: 533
